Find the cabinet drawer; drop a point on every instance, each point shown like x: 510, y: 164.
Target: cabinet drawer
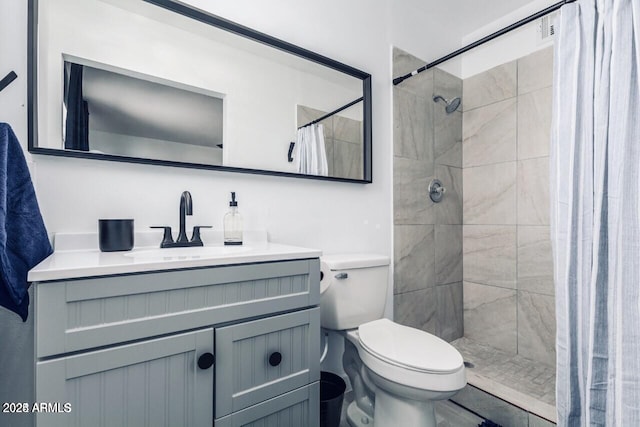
x: 261, y: 359
x: 297, y: 408
x: 81, y: 314
x: 150, y: 383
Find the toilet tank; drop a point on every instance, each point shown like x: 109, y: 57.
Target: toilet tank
x: 353, y: 289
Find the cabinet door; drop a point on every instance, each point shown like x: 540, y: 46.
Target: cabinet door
x: 298, y: 408
x: 151, y: 383
x: 261, y: 359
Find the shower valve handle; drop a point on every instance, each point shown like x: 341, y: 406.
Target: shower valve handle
x: 436, y: 190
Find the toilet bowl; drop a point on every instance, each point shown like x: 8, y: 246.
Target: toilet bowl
x: 396, y: 372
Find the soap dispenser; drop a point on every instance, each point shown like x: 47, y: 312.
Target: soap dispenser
x: 233, y: 223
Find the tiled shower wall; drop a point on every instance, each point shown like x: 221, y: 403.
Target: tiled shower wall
x: 508, y: 273
x: 427, y: 144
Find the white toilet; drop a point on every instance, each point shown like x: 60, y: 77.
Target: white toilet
x: 396, y: 372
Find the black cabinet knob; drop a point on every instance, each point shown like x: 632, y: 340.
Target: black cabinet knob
x: 206, y: 361
x: 275, y: 358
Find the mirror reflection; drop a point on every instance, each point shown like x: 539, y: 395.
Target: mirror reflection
x: 112, y: 113
x: 135, y: 80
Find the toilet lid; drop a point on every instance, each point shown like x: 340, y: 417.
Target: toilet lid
x: 409, y: 347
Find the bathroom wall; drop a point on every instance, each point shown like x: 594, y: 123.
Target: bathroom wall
x: 427, y: 235
x: 508, y: 271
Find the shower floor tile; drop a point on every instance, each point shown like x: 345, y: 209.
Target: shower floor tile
x: 522, y: 382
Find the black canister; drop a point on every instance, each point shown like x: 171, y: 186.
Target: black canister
x: 115, y: 234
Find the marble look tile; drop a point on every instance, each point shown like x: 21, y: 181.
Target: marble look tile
x: 448, y: 414
x: 446, y: 84
x: 404, y: 62
x: 534, y: 124
x: 348, y: 130
x: 416, y: 309
x: 490, y: 316
x: 535, y: 70
x: 447, y: 137
x: 489, y: 255
x: 449, y: 311
x: 533, y: 191
x: 411, y: 203
x: 535, y: 261
x: 491, y: 408
x: 489, y: 134
x: 447, y: 127
x: 448, y: 246
x: 537, y: 327
x: 420, y: 84
x: 414, y: 257
x: 412, y: 126
x: 490, y: 86
x: 308, y: 114
x: 490, y: 194
x: 535, y: 421
x: 328, y: 145
x: 449, y: 210
x: 347, y: 160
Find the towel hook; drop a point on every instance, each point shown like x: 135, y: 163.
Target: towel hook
x: 8, y: 79
x: 289, y: 156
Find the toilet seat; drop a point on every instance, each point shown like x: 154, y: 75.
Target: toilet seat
x: 410, y: 356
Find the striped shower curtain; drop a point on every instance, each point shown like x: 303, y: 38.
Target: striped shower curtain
x: 595, y: 186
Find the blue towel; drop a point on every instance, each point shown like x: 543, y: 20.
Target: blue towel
x: 23, y: 237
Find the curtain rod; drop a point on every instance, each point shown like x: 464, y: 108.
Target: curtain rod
x: 483, y: 40
x: 344, y: 107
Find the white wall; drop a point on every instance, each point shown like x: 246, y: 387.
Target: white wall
x: 506, y: 48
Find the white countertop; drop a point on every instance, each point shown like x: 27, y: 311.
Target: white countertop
x: 89, y: 262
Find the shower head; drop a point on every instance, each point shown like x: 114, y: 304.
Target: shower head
x: 451, y: 106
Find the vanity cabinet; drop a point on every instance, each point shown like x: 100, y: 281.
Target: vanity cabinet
x: 234, y: 345
x: 154, y: 382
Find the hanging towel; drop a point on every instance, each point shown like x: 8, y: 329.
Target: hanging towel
x: 23, y: 237
x: 310, y: 153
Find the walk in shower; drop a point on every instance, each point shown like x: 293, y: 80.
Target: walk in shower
x: 476, y: 268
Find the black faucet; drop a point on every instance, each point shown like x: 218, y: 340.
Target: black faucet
x: 186, y: 208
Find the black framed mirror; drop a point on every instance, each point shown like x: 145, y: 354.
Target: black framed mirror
x: 160, y: 82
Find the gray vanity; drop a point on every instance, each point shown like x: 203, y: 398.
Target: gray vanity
x: 232, y: 340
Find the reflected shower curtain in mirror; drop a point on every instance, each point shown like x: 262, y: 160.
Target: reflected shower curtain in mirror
x: 310, y: 152
x: 595, y: 187
x: 76, y: 136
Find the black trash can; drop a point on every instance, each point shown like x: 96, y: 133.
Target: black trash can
x: 332, y: 389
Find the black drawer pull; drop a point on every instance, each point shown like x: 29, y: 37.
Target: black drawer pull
x: 206, y: 361
x: 275, y: 359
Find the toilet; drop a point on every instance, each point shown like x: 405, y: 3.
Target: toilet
x: 396, y: 372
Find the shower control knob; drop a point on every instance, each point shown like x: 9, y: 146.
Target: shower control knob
x: 436, y: 190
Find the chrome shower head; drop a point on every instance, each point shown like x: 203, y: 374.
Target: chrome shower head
x: 451, y: 106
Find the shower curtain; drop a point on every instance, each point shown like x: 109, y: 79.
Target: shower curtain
x: 595, y: 187
x: 310, y: 152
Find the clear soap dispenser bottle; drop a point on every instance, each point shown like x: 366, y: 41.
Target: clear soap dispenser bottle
x: 233, y: 223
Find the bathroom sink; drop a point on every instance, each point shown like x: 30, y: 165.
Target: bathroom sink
x: 188, y: 253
